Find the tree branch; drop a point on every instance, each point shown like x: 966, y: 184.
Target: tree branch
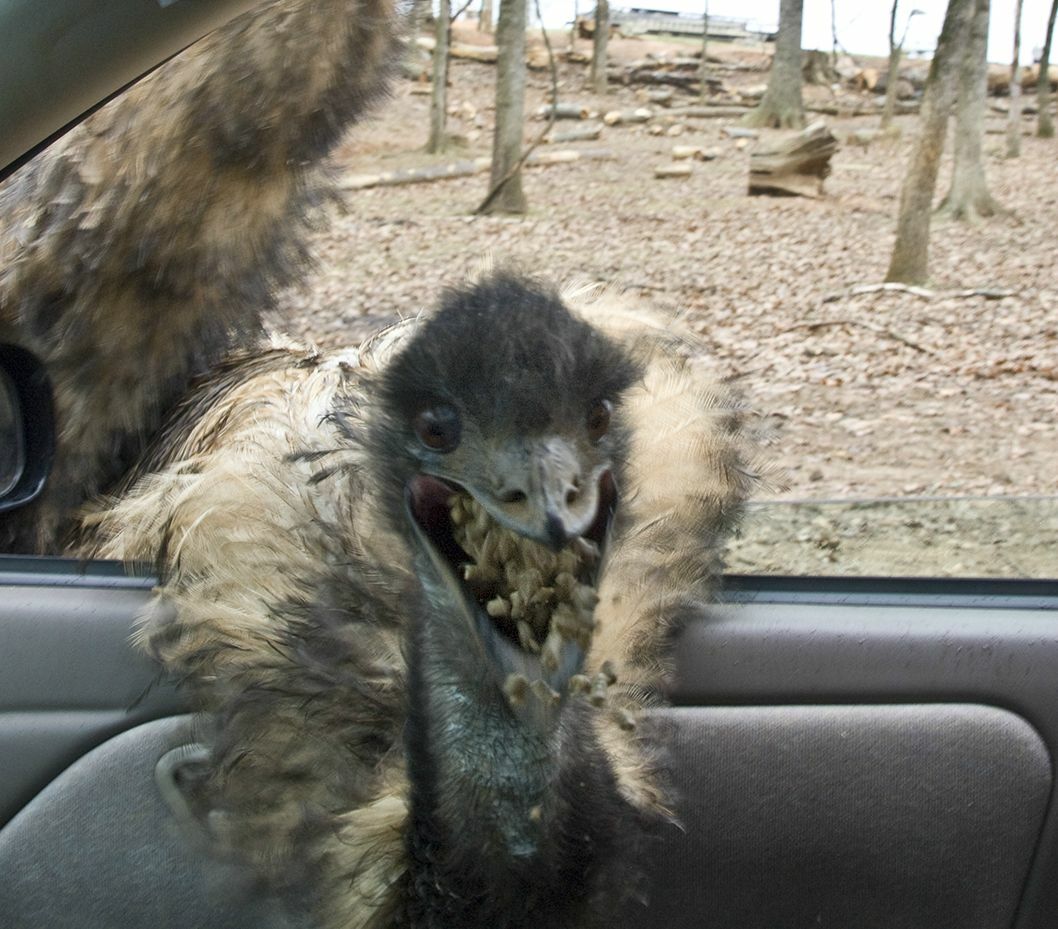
x: 924, y: 293
x: 815, y: 325
x: 460, y: 11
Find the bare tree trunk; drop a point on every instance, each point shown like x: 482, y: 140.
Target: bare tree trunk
x: 704, y: 73
x: 510, y: 110
x: 485, y: 17
x: 969, y: 199
x: 910, y: 259
x: 833, y: 34
x: 439, y: 98
x: 573, y: 26
x: 599, y: 40
x: 782, y: 106
x: 1014, y: 116
x: 895, y: 52
x: 1044, y: 123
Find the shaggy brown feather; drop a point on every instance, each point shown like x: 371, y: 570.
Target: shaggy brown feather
x: 145, y: 244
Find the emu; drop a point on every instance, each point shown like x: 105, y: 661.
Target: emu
x: 421, y: 590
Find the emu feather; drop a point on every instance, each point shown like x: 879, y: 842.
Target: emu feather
x: 260, y: 559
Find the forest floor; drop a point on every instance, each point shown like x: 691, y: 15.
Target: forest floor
x: 880, y: 395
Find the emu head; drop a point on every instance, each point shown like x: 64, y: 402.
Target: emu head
x: 507, y: 400
x: 498, y: 440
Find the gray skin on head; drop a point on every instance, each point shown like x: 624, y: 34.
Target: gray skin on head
x: 509, y: 381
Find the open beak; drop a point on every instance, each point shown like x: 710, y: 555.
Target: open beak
x: 549, y: 534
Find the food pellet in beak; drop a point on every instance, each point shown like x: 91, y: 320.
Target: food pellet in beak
x: 579, y: 684
x: 526, y: 638
x: 517, y: 605
x: 541, y: 594
x: 498, y: 607
x: 516, y: 687
x: 551, y: 653
x: 598, y: 690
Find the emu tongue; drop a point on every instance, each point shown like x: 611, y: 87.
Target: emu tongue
x: 533, y: 595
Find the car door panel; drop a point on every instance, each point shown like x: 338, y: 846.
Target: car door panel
x: 878, y: 817
x: 69, y: 677
x: 892, y: 642
x: 871, y: 757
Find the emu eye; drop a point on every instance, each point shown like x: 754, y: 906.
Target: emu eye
x: 599, y: 419
x: 438, y: 428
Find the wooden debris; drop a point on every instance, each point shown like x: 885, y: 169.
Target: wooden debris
x: 563, y: 111
x: 587, y: 132
x: 737, y: 132
x: 817, y: 69
x: 795, y: 165
x: 684, y: 152
x: 663, y: 97
x: 677, y: 170
x: 866, y: 80
x: 816, y: 325
x: 622, y: 117
x: 685, y: 80
x: 447, y: 170
x: 710, y: 112
x: 488, y: 54
x: 924, y: 293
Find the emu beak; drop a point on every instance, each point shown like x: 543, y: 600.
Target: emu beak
x: 538, y: 489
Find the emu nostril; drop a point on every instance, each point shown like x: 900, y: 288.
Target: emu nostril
x: 512, y: 496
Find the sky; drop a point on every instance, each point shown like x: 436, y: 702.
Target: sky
x: 862, y: 25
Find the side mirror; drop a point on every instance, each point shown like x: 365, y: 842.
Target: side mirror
x: 27, y: 427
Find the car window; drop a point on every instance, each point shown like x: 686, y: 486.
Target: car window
x: 904, y: 431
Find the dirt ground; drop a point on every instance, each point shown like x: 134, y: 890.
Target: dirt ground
x: 879, y: 395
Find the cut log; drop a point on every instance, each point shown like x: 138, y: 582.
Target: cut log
x: 421, y: 175
x: 684, y: 152
x: 661, y: 97
x: 677, y: 170
x: 563, y: 111
x: 738, y: 132
x: 846, y: 108
x: 621, y: 117
x: 589, y: 131
x: 452, y: 169
x: 484, y: 53
x: 795, y: 165
x: 682, y: 79
x: 710, y: 112
x: 817, y: 69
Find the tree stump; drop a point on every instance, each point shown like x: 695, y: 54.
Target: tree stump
x: 794, y: 166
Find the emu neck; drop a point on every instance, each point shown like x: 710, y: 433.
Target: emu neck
x: 510, y: 821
